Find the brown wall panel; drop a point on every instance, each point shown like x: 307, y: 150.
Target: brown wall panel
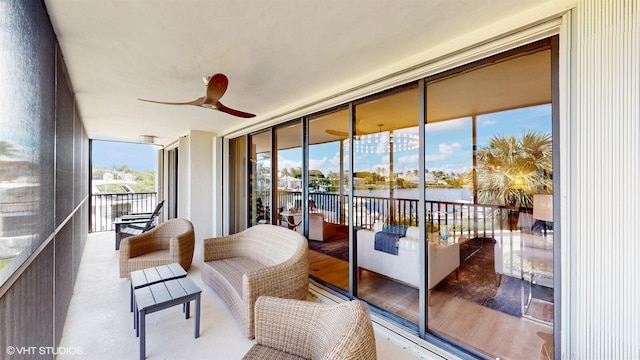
x: 26, y: 309
x: 63, y: 276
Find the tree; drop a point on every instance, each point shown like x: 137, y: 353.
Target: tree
x: 511, y: 169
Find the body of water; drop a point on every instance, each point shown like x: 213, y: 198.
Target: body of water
x: 432, y: 194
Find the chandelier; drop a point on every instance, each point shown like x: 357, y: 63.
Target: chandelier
x: 386, y: 142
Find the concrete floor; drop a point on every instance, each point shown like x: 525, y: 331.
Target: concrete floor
x: 100, y: 326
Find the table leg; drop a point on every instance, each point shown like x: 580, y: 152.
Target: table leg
x: 186, y: 309
x: 118, y: 236
x: 197, y: 321
x: 141, y: 326
x: 136, y: 321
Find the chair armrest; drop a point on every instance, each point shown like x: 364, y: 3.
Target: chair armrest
x: 131, y: 221
x: 286, y: 324
x: 448, y: 253
x: 144, y: 243
x: 140, y: 216
x: 442, y: 261
x: 220, y: 247
x: 289, y: 279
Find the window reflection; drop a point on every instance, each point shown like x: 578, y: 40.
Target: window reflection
x: 19, y: 202
x: 260, y: 199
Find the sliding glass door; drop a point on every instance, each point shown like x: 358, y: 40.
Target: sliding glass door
x: 488, y: 186
x: 431, y: 201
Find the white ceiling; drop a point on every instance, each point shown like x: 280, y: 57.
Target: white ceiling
x: 275, y: 53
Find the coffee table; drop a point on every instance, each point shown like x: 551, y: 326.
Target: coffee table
x: 146, y: 277
x: 163, y: 295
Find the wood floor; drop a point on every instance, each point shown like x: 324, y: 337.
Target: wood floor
x: 488, y: 331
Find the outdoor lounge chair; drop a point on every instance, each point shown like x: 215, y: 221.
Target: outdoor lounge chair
x: 261, y: 260
x: 298, y: 329
x: 136, y: 223
x: 173, y: 241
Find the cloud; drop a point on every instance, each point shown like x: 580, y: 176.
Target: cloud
x: 408, y: 160
x: 445, y: 151
x: 317, y: 164
x: 487, y: 122
x: 288, y: 164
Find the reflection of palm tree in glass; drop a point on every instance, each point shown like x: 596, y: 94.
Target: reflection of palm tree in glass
x: 8, y: 149
x: 511, y: 170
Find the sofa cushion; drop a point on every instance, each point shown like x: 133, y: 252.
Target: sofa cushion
x: 413, y: 232
x: 263, y: 352
x: 407, y: 243
x: 232, y: 270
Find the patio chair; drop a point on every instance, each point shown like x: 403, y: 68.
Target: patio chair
x: 170, y: 242
x: 298, y: 329
x: 135, y: 223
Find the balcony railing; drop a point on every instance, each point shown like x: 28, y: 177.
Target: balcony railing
x: 491, y: 222
x: 106, y: 208
x: 481, y: 220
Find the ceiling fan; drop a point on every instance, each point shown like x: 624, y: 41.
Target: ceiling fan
x: 216, y: 87
x: 345, y: 134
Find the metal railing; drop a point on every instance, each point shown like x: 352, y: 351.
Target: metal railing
x: 461, y: 218
x: 106, y: 208
x: 484, y: 222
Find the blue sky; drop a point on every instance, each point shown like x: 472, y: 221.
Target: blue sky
x: 138, y: 157
x: 449, y: 146
x: 448, y: 143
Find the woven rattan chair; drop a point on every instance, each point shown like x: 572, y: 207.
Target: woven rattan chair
x: 261, y: 260
x: 170, y: 242
x: 297, y: 329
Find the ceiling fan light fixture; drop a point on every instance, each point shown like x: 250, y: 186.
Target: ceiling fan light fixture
x: 148, y: 139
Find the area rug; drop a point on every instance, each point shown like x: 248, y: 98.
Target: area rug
x: 336, y: 246
x: 510, y: 293
x: 476, y: 281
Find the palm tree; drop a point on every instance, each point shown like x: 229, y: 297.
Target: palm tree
x: 511, y: 169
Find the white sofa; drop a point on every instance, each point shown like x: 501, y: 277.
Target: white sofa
x: 441, y: 259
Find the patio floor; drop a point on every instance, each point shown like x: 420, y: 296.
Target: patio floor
x: 100, y: 326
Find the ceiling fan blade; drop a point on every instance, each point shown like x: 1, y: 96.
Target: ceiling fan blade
x: 233, y: 112
x: 196, y: 102
x: 216, y: 87
x: 337, y: 133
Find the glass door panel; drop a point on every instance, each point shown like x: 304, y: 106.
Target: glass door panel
x: 238, y: 185
x: 289, y: 194
x: 328, y: 228
x: 260, y: 178
x: 385, y: 202
x: 488, y: 157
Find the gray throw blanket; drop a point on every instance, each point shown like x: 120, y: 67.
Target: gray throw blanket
x: 387, y: 242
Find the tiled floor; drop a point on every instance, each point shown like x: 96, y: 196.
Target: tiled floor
x: 100, y: 326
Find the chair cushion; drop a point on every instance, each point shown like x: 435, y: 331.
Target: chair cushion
x: 232, y: 270
x: 154, y: 255
x: 259, y: 352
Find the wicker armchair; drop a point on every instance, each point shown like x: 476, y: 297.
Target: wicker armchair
x: 296, y: 329
x: 261, y: 260
x: 170, y: 242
